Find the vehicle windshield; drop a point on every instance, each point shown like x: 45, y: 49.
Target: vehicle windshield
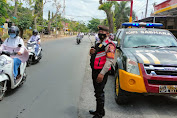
x: 153, y: 40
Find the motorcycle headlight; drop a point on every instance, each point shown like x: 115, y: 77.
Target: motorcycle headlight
x: 132, y: 67
x: 3, y: 61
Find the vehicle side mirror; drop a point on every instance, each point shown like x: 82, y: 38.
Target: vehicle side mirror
x: 118, y: 46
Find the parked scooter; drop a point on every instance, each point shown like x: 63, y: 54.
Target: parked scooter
x: 33, y: 58
x: 6, y: 73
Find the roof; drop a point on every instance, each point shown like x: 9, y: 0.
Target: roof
x: 168, y: 7
x: 150, y: 19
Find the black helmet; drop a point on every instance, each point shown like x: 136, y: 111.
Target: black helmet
x: 35, y: 32
x: 13, y: 29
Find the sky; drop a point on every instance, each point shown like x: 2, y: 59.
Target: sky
x: 85, y: 10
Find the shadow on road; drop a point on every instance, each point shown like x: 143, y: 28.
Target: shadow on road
x: 140, y: 105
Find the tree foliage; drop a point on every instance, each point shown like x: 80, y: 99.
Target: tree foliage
x: 24, y: 20
x: 122, y: 13
x: 107, y: 8
x: 3, y: 11
x: 49, y: 15
x: 93, y: 24
x: 32, y: 16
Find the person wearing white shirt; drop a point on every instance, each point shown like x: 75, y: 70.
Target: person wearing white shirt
x: 35, y: 38
x: 15, y: 44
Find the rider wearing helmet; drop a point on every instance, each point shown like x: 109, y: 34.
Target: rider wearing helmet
x: 111, y: 36
x: 35, y: 38
x: 15, y: 44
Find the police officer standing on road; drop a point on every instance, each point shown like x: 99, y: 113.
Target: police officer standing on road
x: 102, y: 56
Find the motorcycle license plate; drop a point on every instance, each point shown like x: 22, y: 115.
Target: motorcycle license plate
x: 168, y: 89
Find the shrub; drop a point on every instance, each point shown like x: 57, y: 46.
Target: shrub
x: 5, y: 36
x: 29, y: 32
x: 26, y: 36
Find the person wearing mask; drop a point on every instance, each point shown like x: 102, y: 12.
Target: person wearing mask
x: 35, y: 38
x: 102, y: 56
x: 15, y: 44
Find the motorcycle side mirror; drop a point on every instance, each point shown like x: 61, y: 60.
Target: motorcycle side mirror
x: 19, y: 45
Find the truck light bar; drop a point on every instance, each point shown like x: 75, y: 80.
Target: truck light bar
x: 142, y: 24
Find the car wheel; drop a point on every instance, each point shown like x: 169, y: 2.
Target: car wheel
x: 121, y: 96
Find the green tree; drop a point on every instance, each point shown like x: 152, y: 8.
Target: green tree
x: 122, y: 13
x: 52, y: 14
x: 107, y: 8
x: 38, y: 9
x: 49, y: 15
x: 57, y: 6
x: 93, y: 24
x: 3, y: 12
x: 24, y: 20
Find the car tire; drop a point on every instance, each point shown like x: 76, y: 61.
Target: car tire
x: 121, y: 96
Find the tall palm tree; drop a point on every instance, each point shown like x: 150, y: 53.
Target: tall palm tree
x: 107, y: 8
x: 122, y: 13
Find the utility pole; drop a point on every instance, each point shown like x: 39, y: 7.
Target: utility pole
x: 146, y: 9
x: 154, y: 11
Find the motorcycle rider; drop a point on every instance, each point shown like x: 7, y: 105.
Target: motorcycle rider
x: 111, y: 36
x: 15, y: 44
x: 35, y: 38
x: 102, y: 56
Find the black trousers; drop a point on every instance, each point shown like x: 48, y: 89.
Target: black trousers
x: 99, y: 90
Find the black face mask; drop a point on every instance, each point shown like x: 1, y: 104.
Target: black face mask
x: 102, y: 36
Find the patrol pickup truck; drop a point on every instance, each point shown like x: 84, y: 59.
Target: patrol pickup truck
x: 146, y: 61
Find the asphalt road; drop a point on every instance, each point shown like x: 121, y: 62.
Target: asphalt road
x: 53, y: 86
x: 140, y: 106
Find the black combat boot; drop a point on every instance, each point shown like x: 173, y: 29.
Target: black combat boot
x: 97, y: 116
x: 96, y: 112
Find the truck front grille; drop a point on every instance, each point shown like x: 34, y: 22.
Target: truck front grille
x: 165, y: 70
x: 159, y: 82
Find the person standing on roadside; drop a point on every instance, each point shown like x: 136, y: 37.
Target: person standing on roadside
x: 102, y: 56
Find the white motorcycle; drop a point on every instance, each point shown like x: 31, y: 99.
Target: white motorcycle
x: 33, y: 58
x: 6, y: 73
